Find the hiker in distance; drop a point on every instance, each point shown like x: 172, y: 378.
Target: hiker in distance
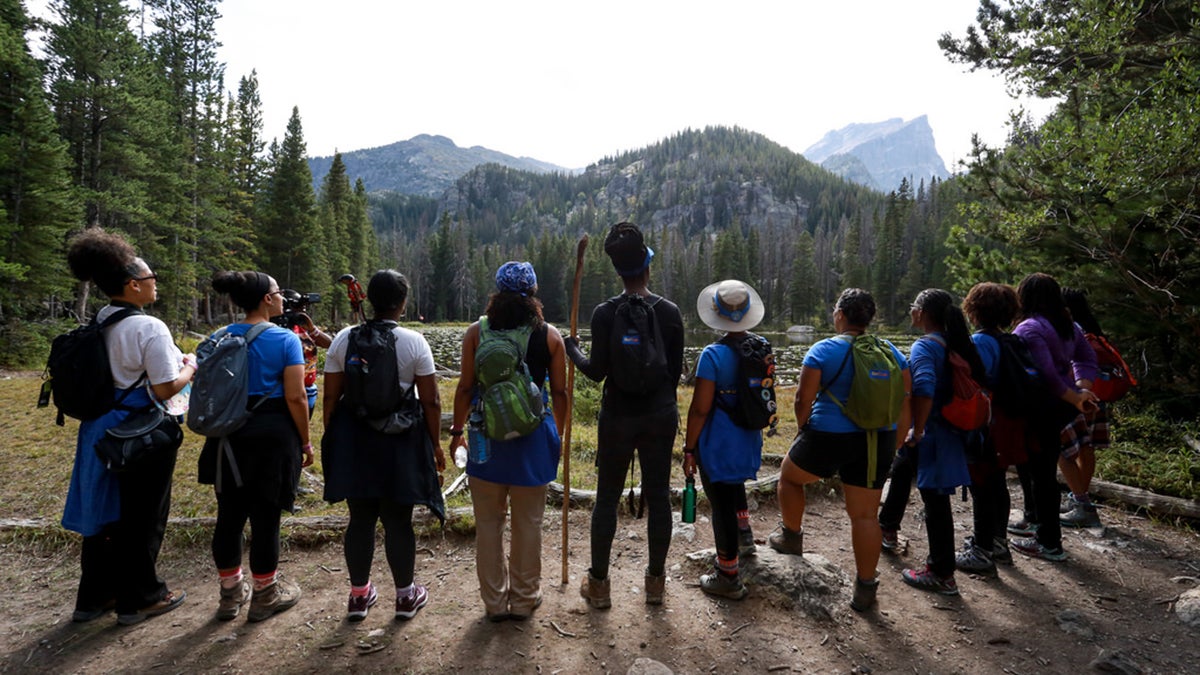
x: 852, y: 394
x: 513, y: 367
x: 381, y: 451
x: 637, y: 350
x: 727, y: 452
x: 122, y: 517
x: 255, y: 468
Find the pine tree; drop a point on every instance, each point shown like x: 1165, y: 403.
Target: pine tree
x: 334, y: 209
x: 803, y: 290
x: 291, y: 249
x: 37, y: 205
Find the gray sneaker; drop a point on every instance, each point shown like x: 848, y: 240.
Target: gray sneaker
x: 232, y: 600
x: 278, y: 597
x: 746, y: 546
x: 974, y: 559
x: 1083, y: 515
x: 1000, y: 552
x: 723, y: 585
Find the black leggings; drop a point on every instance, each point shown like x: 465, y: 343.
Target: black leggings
x: 234, y: 507
x: 939, y: 526
x: 652, y: 436
x: 726, y: 499
x: 399, y: 541
x: 904, y: 469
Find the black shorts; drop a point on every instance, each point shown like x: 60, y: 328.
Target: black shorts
x: 824, y: 453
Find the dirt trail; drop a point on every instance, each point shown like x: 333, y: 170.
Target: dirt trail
x: 1111, y: 598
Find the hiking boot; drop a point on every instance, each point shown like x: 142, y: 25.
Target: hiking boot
x: 232, y: 600
x: 974, y: 559
x: 926, y: 580
x: 1031, y: 547
x: 278, y: 597
x: 1000, y: 552
x: 86, y: 615
x: 656, y: 586
x: 1023, y: 527
x: 789, y: 542
x: 596, y: 592
x: 891, y: 540
x: 524, y: 616
x: 746, y: 546
x: 169, y: 602
x: 864, y: 594
x: 1082, y: 515
x: 409, y: 602
x: 723, y: 585
x: 359, y: 605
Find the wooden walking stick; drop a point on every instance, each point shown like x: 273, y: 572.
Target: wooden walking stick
x: 566, y: 435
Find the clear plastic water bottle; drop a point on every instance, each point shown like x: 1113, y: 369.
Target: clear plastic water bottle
x: 689, y: 501
x: 460, y: 456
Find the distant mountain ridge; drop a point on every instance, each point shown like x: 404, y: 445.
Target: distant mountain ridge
x: 880, y: 154
x: 423, y: 165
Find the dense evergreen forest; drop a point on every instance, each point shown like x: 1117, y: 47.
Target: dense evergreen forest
x: 124, y: 120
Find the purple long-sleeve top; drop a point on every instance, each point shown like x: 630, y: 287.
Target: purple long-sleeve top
x: 1061, y: 362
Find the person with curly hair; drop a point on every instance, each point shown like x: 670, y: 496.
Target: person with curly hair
x: 515, y: 476
x: 255, y: 469
x: 123, y: 517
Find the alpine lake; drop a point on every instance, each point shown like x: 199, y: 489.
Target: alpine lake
x: 789, y: 347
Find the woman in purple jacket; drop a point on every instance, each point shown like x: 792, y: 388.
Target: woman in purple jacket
x: 1068, y: 364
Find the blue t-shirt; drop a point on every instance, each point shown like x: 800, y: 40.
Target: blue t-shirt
x: 729, y: 453
x: 988, y: 348
x: 827, y: 356
x: 273, y: 350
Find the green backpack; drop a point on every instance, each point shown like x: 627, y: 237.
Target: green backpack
x: 877, y: 390
x: 510, y: 401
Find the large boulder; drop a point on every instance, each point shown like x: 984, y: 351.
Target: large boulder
x: 1187, y: 608
x: 810, y: 583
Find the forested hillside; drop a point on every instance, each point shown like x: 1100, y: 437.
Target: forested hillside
x: 715, y: 203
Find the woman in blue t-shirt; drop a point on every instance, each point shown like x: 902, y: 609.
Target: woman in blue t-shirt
x: 937, y: 448
x: 255, y: 473
x: 829, y: 442
x: 727, y: 455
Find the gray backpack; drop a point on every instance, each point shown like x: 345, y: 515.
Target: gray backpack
x: 221, y: 386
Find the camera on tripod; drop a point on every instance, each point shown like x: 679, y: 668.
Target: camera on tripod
x: 295, y: 303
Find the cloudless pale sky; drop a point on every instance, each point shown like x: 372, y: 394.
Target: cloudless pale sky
x: 569, y: 82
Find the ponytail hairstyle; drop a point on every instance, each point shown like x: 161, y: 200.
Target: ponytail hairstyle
x: 387, y: 291
x: 1081, y: 313
x: 939, y: 306
x: 106, y: 259
x: 246, y: 289
x: 1041, y: 296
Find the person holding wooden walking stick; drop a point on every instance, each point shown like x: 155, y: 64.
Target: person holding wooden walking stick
x: 637, y: 350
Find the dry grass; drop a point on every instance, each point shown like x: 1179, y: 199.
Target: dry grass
x: 38, y: 457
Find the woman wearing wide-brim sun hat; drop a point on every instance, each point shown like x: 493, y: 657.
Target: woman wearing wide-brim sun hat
x: 726, y: 453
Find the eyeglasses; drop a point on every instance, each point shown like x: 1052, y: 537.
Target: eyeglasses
x: 148, y: 277
x: 275, y: 293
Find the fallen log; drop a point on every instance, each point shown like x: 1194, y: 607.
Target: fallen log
x: 1159, y: 505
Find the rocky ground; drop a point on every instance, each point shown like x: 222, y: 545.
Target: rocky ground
x: 1112, y: 606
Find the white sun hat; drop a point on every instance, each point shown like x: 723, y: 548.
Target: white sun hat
x: 730, y: 305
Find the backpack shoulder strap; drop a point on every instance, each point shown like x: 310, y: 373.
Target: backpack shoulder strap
x: 845, y: 360
x: 117, y: 316
x: 256, y: 330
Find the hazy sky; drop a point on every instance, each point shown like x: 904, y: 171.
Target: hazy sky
x: 569, y: 82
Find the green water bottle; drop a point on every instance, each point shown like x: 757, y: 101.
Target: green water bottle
x: 689, y: 501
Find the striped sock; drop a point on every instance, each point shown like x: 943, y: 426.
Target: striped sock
x: 261, y: 581
x: 743, y: 517
x: 230, y: 578
x: 727, y: 566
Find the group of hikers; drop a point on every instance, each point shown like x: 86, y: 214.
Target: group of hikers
x: 865, y: 412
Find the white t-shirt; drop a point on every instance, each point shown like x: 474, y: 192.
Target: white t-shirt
x: 140, y: 344
x: 414, y: 358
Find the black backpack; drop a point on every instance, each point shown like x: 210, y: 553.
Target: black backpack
x: 755, y: 406
x: 1020, y: 389
x: 638, y: 361
x: 78, y: 371
x: 372, y: 388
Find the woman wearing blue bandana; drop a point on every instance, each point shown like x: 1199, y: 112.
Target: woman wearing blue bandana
x: 727, y: 454
x: 515, y: 476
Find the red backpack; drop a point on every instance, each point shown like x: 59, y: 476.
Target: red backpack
x: 970, y: 405
x: 1114, y: 379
